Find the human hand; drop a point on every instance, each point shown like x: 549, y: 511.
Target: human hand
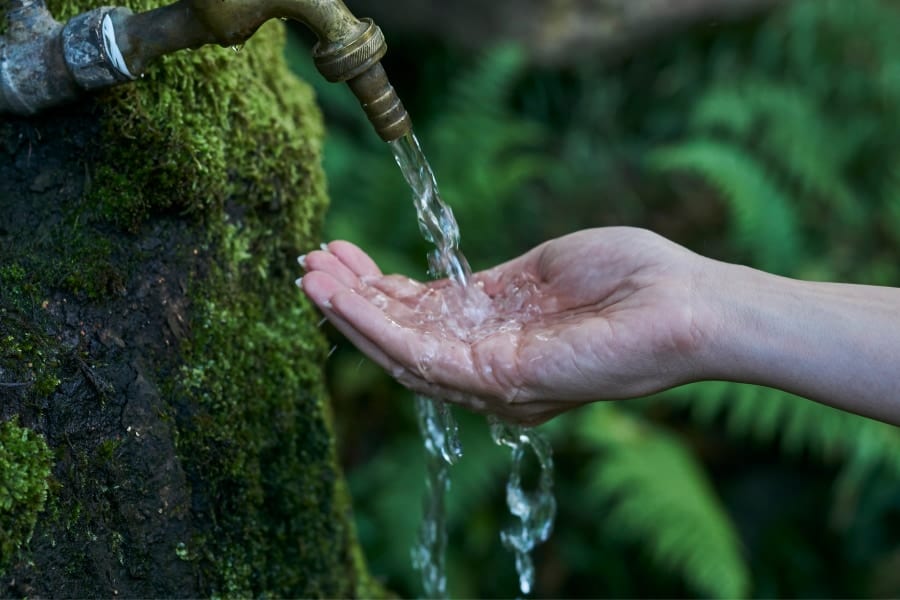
x: 599, y: 314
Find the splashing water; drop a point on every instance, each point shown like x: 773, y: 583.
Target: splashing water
x: 535, y: 511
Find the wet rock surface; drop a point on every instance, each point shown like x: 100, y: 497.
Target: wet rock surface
x: 92, y: 373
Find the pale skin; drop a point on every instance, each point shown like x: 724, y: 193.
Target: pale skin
x: 615, y: 313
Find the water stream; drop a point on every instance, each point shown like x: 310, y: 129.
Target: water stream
x: 534, y: 511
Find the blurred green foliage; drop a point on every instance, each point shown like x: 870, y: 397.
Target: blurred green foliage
x: 775, y: 144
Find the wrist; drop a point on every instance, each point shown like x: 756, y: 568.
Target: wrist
x: 743, y: 318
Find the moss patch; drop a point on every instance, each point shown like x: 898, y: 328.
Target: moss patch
x: 25, y: 462
x: 208, y: 127
x: 27, y: 357
x: 261, y: 440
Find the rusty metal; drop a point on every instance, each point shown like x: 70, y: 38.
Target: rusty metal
x: 44, y: 63
x: 381, y: 103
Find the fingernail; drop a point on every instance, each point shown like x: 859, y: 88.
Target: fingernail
x: 299, y: 282
x: 301, y: 260
x: 324, y: 247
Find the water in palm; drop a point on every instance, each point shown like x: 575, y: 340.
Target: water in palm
x: 535, y: 510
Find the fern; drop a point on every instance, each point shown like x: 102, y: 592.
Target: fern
x: 654, y: 492
x: 891, y: 192
x: 766, y: 416
x: 760, y: 209
x: 793, y: 136
x: 483, y: 150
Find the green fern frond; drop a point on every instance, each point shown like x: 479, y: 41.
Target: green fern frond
x: 799, y: 425
x: 485, y: 87
x: 793, y: 133
x: 659, y: 497
x: 481, y: 140
x: 764, y: 218
x: 844, y: 49
x: 891, y: 195
x: 724, y: 108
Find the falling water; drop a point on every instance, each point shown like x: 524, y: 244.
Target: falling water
x: 436, y: 222
x: 535, y: 511
x: 436, y: 422
x: 439, y: 431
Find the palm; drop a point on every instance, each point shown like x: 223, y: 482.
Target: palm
x: 593, y: 315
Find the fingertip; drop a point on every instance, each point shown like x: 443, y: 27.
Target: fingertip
x: 315, y: 260
x: 320, y: 287
x: 355, y: 258
x: 326, y: 262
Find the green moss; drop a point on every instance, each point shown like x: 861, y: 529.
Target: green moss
x: 28, y: 358
x: 25, y: 462
x: 232, y: 140
x: 265, y: 443
x: 208, y: 126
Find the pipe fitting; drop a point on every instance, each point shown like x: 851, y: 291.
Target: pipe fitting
x: 91, y: 49
x: 358, y: 63
x: 352, y: 59
x: 381, y: 103
x: 44, y: 63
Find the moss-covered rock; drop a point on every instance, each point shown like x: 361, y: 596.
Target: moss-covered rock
x: 149, y: 320
x: 25, y: 463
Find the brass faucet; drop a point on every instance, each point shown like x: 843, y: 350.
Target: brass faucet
x: 107, y: 46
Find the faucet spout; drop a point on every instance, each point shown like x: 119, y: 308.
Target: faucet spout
x: 120, y: 44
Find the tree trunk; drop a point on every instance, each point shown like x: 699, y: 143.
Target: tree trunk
x: 554, y: 31
x: 151, y: 333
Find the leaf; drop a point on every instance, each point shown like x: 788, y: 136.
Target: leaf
x: 659, y: 497
x: 764, y: 219
x: 799, y: 425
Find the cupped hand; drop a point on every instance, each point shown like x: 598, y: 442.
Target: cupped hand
x: 596, y: 315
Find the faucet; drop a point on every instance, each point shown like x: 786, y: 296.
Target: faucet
x: 44, y: 63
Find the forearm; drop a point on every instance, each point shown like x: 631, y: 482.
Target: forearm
x: 834, y: 343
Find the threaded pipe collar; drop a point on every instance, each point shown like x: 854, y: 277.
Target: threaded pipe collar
x: 355, y: 57
x: 91, y: 52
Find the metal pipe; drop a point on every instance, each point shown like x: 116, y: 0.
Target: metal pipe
x: 43, y: 63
